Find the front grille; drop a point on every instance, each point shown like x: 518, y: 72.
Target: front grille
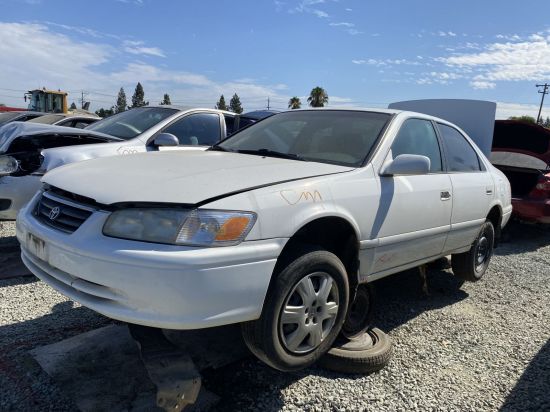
x: 60, y: 213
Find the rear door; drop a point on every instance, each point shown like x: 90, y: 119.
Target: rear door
x: 414, y: 214
x: 473, y: 187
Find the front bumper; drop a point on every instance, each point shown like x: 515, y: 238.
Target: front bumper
x: 15, y: 192
x: 533, y: 210
x: 171, y: 287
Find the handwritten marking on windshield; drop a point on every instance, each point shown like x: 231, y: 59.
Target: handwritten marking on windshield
x: 293, y: 197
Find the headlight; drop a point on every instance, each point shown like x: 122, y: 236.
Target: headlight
x: 8, y: 165
x: 196, y: 227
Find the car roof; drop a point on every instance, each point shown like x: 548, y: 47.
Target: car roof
x: 185, y: 108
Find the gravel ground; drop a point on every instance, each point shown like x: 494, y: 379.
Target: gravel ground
x: 482, y: 346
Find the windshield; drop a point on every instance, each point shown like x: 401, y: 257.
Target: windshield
x: 47, y: 119
x: 341, y: 137
x: 6, y: 117
x: 131, y: 123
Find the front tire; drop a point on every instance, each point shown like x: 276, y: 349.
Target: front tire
x: 303, y: 312
x: 471, y: 265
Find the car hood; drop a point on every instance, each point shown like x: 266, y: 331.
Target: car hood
x: 183, y: 177
x: 521, y: 137
x: 11, y: 131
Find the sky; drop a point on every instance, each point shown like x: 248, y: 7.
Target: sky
x: 363, y: 53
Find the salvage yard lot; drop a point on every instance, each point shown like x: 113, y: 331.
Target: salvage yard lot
x: 473, y: 346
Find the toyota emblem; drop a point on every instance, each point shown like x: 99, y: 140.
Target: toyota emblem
x: 54, y: 213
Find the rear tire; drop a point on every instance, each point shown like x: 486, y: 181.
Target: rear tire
x: 471, y: 265
x: 303, y: 312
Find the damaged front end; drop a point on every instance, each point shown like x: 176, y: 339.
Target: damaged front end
x: 21, y: 159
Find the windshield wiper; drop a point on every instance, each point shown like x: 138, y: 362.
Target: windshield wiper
x: 272, y: 153
x: 219, y: 149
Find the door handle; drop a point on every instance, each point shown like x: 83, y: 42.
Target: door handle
x: 488, y: 191
x: 445, y: 195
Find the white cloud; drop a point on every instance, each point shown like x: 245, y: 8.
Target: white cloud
x: 342, y: 24
x: 304, y: 6
x: 510, y: 61
x: 482, y: 84
x: 445, y: 34
x: 386, y: 62
x: 137, y: 47
x: 319, y: 13
x: 506, y: 110
x: 35, y: 53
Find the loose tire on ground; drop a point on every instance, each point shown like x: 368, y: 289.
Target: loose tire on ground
x: 366, y: 354
x: 471, y: 265
x: 288, y: 308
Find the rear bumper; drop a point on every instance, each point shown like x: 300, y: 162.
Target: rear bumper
x: 533, y: 210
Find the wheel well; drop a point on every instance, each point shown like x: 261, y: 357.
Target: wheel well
x: 335, y: 235
x: 495, y: 216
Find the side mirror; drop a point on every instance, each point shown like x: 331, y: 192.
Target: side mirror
x: 166, y: 139
x: 407, y: 164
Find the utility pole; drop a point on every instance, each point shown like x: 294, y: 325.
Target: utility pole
x: 267, y: 102
x: 544, y: 92
x: 81, y: 100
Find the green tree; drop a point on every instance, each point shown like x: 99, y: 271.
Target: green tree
x: 105, y: 112
x: 547, y: 122
x: 73, y: 106
x: 235, y: 104
x: 294, y: 103
x: 166, y: 99
x: 221, y: 103
x: 138, y: 98
x: 525, y: 118
x: 121, y: 101
x: 318, y: 97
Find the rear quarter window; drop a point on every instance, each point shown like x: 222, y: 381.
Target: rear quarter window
x: 461, y: 156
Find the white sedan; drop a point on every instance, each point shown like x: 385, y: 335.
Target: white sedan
x: 273, y: 228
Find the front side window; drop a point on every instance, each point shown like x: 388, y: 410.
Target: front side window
x: 327, y: 136
x: 418, y: 137
x: 460, y: 154
x: 199, y: 129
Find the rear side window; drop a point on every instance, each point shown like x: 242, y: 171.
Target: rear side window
x: 461, y: 156
x: 229, y: 124
x: 418, y: 137
x: 202, y: 129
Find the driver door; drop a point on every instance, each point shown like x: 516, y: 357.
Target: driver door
x: 414, y: 213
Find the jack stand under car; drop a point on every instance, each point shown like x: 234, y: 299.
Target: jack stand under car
x: 172, y: 371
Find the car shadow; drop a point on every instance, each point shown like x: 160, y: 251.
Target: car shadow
x: 399, y: 298
x: 520, y: 237
x: 532, y: 391
x: 251, y: 385
x: 20, y: 375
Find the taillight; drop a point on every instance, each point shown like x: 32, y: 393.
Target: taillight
x: 542, y: 188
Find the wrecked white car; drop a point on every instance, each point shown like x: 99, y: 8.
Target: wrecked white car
x: 274, y: 228
x: 26, y: 149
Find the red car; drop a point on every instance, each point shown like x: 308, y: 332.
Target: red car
x: 522, y: 152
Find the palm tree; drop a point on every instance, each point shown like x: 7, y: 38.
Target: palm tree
x: 294, y: 103
x: 318, y: 97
